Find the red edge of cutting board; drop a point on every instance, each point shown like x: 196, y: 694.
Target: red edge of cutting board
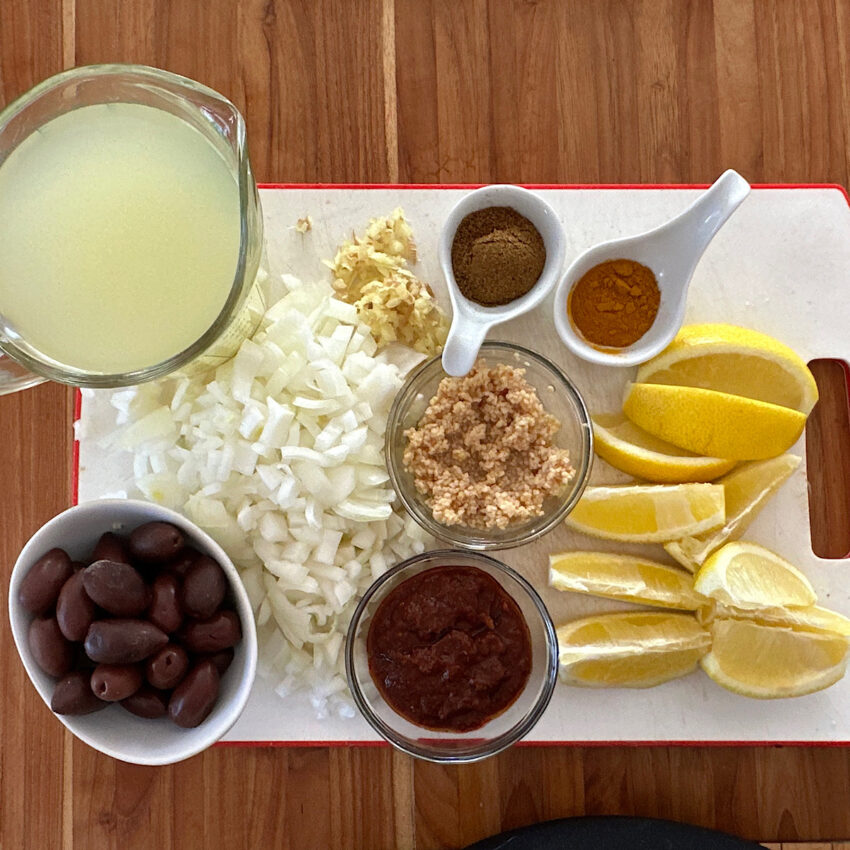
x: 75, y: 470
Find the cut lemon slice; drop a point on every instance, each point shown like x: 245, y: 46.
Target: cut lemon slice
x: 749, y: 576
x: 747, y: 489
x: 811, y: 619
x: 650, y: 513
x: 626, y: 578
x: 630, y: 650
x: 713, y: 423
x: 734, y: 360
x: 633, y: 450
x: 766, y: 662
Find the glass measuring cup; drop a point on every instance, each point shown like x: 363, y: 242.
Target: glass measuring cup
x: 226, y: 321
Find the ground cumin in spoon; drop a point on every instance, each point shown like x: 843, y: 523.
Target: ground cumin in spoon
x: 497, y: 256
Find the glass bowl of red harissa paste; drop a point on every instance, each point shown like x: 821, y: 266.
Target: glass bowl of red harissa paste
x: 451, y: 656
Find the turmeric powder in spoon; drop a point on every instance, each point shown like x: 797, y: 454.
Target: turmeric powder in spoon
x: 615, y: 303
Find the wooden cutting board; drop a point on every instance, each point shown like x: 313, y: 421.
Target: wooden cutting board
x: 781, y: 265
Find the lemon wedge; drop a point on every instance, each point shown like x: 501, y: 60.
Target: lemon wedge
x: 633, y: 450
x: 648, y: 513
x: 747, y: 489
x: 713, y: 423
x: 630, y: 650
x: 625, y: 578
x: 746, y: 575
x: 811, y: 619
x: 766, y: 662
x: 737, y: 361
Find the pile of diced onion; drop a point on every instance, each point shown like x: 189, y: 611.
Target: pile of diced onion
x: 279, y: 455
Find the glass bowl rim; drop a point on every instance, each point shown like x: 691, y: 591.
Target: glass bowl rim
x: 415, y: 508
x: 495, y: 745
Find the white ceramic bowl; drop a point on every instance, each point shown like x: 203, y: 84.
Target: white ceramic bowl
x: 113, y: 730
x: 470, y: 321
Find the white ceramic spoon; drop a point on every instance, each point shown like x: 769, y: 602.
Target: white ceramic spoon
x: 472, y: 321
x: 672, y: 251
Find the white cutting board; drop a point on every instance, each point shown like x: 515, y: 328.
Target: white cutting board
x: 781, y: 265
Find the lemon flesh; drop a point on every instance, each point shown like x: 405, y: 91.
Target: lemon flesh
x: 631, y: 449
x: 630, y: 650
x: 746, y: 575
x: 625, y: 578
x: 737, y: 361
x: 811, y: 619
x: 747, y: 489
x: 649, y: 513
x: 713, y: 423
x: 766, y: 662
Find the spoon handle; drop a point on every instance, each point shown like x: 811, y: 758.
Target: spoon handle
x: 462, y: 346
x: 709, y: 212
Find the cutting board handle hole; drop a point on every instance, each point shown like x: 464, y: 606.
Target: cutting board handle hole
x: 828, y: 460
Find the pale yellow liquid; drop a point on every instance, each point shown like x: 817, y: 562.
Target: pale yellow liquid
x: 119, y: 237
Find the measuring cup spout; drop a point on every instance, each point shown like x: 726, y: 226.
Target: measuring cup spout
x: 461, y: 349
x: 699, y: 223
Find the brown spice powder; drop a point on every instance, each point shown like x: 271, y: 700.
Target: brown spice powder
x: 482, y: 454
x: 497, y: 256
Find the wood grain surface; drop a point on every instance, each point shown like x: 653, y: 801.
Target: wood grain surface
x: 576, y: 91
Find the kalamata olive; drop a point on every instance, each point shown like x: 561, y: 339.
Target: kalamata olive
x: 218, y: 632
x: 156, y: 542
x: 51, y: 651
x: 74, y: 609
x: 164, y: 611
x: 40, y: 587
x: 203, y: 588
x: 111, y: 547
x: 147, y: 702
x: 185, y: 559
x: 166, y: 669
x: 123, y: 641
x: 78, y: 565
x: 193, y: 699
x: 81, y: 660
x: 116, y: 587
x: 73, y: 695
x: 222, y: 659
x: 114, y: 682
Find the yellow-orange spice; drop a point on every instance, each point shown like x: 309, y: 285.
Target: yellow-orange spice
x: 615, y: 303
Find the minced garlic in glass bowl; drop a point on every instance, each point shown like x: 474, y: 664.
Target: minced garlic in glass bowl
x: 520, y: 437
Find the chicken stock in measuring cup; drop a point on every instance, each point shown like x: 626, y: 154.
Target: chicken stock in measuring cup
x: 131, y: 234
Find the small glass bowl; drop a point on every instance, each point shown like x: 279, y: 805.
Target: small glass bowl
x: 499, y: 732
x: 559, y: 397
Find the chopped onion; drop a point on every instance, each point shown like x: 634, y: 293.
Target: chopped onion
x: 279, y: 456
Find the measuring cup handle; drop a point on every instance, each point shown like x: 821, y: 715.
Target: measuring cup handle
x: 14, y: 377
x: 462, y: 346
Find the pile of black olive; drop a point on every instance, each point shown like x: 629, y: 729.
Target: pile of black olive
x: 145, y: 623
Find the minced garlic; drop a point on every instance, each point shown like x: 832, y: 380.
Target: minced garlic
x: 482, y: 453
x: 372, y: 273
